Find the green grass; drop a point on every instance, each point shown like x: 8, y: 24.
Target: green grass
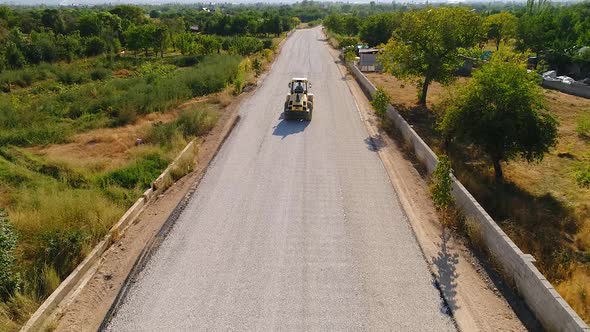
x: 193, y: 122
x: 139, y: 174
x: 73, y: 102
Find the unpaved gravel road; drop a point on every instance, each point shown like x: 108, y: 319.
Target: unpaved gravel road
x: 295, y: 226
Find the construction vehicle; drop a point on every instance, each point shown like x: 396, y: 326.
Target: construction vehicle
x: 299, y: 103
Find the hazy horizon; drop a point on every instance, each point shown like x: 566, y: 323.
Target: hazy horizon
x: 189, y: 2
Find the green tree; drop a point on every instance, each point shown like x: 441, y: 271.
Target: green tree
x: 94, y: 46
x: 89, y: 25
x: 377, y: 29
x: 137, y: 39
x: 426, y: 45
x: 500, y: 27
x: 185, y: 42
x: 502, y: 112
x: 174, y: 26
x: 535, y: 32
x: 14, y: 56
x: 131, y: 15
x: 53, y: 20
x: 159, y: 39
x: 210, y: 44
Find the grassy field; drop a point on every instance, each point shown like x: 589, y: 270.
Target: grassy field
x: 544, y: 207
x: 70, y: 164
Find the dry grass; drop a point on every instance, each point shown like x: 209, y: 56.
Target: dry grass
x: 541, y: 207
x: 577, y: 290
x: 106, y: 149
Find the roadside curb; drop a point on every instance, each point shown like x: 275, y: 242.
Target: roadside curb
x: 540, y: 296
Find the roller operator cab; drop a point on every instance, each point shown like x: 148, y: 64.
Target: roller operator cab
x: 299, y: 103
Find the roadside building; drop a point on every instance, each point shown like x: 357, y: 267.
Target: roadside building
x: 368, y: 60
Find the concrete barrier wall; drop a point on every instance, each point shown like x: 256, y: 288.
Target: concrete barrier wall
x: 420, y: 148
x: 544, y: 301
x: 576, y: 89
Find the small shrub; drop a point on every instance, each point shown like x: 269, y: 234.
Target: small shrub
x: 9, y: 279
x: 349, y: 55
x: 51, y: 279
x: 58, y: 253
x: 380, y: 101
x: 196, y: 122
x: 100, y: 74
x: 186, y: 60
x: 184, y: 165
x: 441, y: 187
x: 267, y: 43
x: 257, y: 66
x: 162, y: 133
x: 239, y: 83
x: 348, y: 41
x: 124, y: 116
x: 583, y: 125
x: 18, y: 308
x: 70, y: 76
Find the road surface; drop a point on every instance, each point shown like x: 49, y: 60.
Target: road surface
x: 295, y: 226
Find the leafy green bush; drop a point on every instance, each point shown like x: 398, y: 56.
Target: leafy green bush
x: 62, y: 249
x: 162, y: 133
x: 267, y: 43
x: 441, y: 187
x: 186, y: 60
x: 196, y: 122
x: 380, y: 101
x: 9, y: 279
x: 124, y: 116
x: 345, y: 41
x: 70, y: 76
x: 139, y: 174
x: 21, y: 77
x: 211, y: 75
x: 100, y: 74
x: 243, y: 45
x: 192, y: 122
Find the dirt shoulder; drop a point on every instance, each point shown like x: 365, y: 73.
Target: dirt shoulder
x: 478, y: 301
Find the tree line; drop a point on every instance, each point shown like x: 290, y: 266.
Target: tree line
x: 501, y: 111
x: 30, y: 35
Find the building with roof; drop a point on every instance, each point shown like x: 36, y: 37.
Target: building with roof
x: 368, y: 60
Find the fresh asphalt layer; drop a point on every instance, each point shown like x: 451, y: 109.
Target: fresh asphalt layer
x: 295, y: 226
